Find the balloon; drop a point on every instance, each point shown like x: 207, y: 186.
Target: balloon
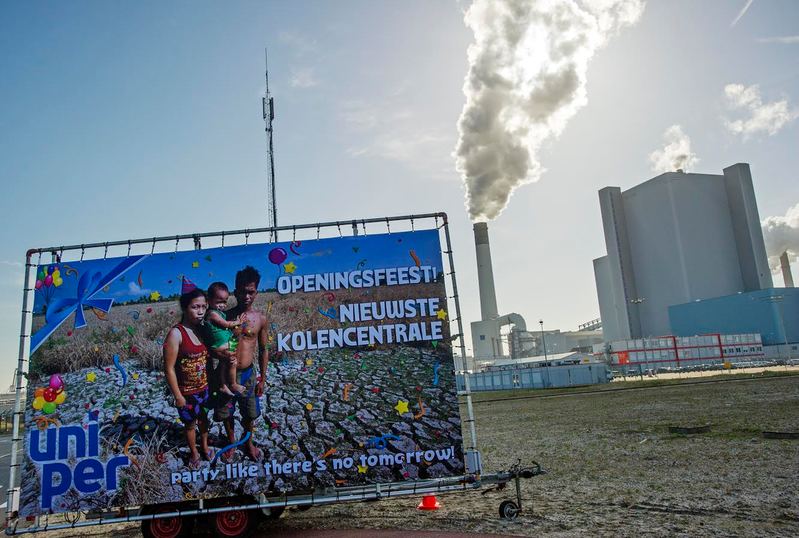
x: 277, y: 255
x: 38, y: 403
x: 57, y: 282
x: 61, y: 398
x: 39, y: 284
x: 50, y: 394
x: 42, y: 274
x: 48, y: 280
x: 39, y: 392
x: 56, y: 383
x: 56, y: 273
x: 48, y: 408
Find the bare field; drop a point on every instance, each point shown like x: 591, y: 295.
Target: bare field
x: 614, y: 468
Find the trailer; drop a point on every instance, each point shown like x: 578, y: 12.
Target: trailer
x: 330, y: 378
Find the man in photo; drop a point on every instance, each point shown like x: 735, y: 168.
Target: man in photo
x: 252, y: 342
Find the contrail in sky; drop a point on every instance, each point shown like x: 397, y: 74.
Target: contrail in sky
x: 742, y: 12
x: 526, y: 79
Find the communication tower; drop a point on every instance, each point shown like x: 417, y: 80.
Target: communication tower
x: 268, y: 109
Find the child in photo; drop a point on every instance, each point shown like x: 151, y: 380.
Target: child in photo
x: 220, y: 336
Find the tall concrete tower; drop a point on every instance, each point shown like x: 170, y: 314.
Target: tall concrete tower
x: 785, y: 265
x: 485, y: 333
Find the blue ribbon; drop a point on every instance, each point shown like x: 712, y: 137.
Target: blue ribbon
x: 228, y: 447
x: 89, y: 285
x: 121, y: 370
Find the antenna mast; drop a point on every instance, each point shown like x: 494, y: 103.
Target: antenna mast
x: 268, y: 109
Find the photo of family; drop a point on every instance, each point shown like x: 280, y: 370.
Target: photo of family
x: 266, y: 368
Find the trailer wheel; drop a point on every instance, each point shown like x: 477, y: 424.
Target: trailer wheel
x: 166, y: 527
x: 508, y: 510
x: 235, y: 523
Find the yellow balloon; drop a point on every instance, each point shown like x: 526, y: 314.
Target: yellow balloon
x: 38, y: 403
x: 56, y: 274
x: 57, y: 281
x: 61, y: 398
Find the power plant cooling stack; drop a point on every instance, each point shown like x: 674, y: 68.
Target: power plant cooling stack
x: 485, y: 274
x: 485, y: 334
x: 785, y: 264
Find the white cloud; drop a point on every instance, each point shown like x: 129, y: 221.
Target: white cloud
x: 742, y: 12
x: 786, y: 40
x: 11, y: 264
x: 299, y: 43
x: 134, y: 289
x: 763, y: 117
x: 676, y: 154
x: 781, y: 234
x: 385, y: 129
x: 527, y: 78
x: 303, y: 78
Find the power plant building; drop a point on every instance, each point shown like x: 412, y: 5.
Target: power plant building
x: 676, y: 239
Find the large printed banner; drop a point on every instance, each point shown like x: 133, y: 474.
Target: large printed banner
x: 147, y: 381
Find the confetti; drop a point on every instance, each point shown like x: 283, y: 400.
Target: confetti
x: 415, y: 258
x: 121, y: 370
x: 290, y: 267
x: 422, y: 410
x: 401, y: 407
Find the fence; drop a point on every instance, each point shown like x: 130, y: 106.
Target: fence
x: 537, y: 377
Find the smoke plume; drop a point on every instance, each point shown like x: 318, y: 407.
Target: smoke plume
x: 675, y: 154
x: 781, y: 234
x: 526, y: 79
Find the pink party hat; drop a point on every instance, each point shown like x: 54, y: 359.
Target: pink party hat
x: 186, y: 286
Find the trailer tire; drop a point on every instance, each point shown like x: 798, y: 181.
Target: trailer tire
x: 508, y: 510
x: 235, y: 523
x: 166, y: 527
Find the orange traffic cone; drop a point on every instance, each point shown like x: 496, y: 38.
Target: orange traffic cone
x: 429, y: 502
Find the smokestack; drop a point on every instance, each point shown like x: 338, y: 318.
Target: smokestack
x: 485, y: 274
x: 786, y: 271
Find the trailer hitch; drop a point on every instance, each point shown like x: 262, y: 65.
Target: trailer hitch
x: 509, y: 509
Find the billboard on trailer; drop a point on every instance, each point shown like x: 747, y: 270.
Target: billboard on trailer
x: 264, y: 368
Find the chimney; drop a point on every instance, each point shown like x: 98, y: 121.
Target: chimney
x: 485, y: 274
x: 786, y: 271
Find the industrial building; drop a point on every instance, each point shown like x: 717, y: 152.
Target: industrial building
x: 686, y: 257
x: 555, y: 365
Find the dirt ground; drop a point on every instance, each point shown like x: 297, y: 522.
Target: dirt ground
x: 613, y: 467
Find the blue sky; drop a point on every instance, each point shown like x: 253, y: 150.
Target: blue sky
x: 123, y: 120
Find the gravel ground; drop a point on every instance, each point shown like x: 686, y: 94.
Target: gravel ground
x: 614, y: 468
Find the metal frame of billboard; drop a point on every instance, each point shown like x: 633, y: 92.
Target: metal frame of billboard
x: 471, y: 480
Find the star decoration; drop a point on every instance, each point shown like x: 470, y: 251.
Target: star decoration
x: 290, y: 267
x: 401, y: 407
x: 362, y: 469
x: 441, y: 314
x: 91, y: 377
x: 154, y: 296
